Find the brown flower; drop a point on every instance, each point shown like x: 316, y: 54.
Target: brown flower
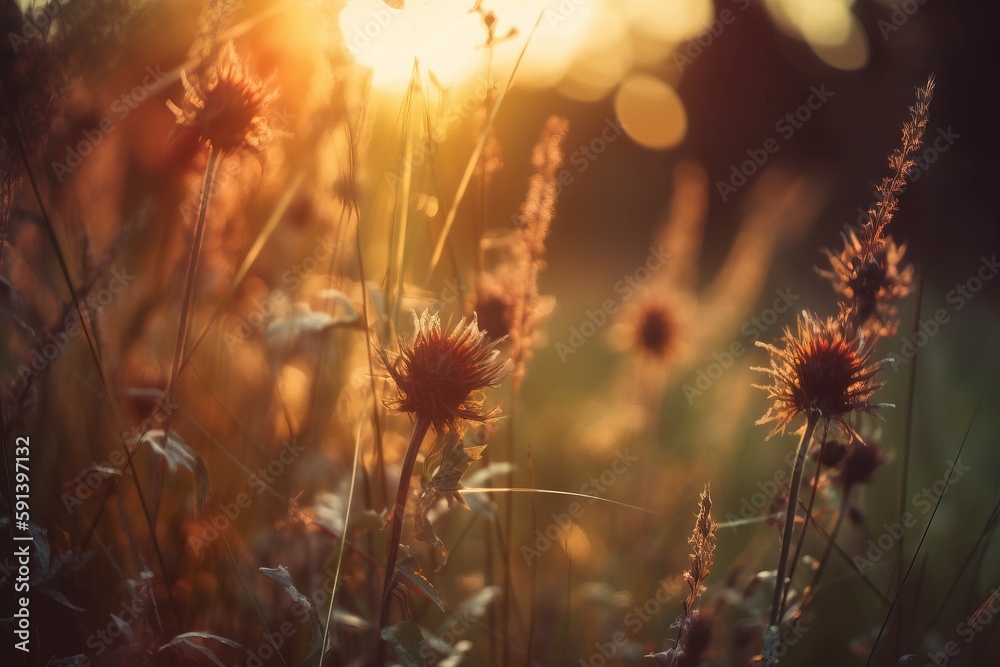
x: 861, y: 462
x: 870, y: 282
x: 440, y: 377
x: 226, y: 105
x: 655, y: 330
x: 494, y: 307
x: 820, y: 372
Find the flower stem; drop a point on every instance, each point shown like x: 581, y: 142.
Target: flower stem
x: 396, y: 522
x: 793, y: 499
x: 190, y: 276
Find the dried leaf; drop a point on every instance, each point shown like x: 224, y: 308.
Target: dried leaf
x: 296, y: 332
x: 475, y: 606
x: 176, y: 453
x: 281, y: 575
x: 183, y: 641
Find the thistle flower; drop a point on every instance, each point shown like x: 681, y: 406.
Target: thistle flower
x: 870, y: 283
x: 861, y: 462
x: 821, y: 373
x: 227, y: 106
x: 654, y: 330
x: 439, y: 378
x: 494, y: 307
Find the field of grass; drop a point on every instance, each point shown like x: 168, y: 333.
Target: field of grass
x: 456, y: 332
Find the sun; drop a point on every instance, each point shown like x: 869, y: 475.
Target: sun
x: 441, y: 36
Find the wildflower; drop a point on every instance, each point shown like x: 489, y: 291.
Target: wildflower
x: 830, y: 453
x: 494, y: 307
x: 820, y: 372
x: 868, y: 274
x: 227, y: 106
x: 860, y: 464
x: 654, y: 330
x: 439, y: 378
x: 870, y: 283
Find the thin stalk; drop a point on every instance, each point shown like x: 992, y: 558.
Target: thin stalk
x: 192, y: 268
x: 396, y: 523
x: 829, y: 549
x: 793, y: 498
x: 802, y: 535
x: 343, y: 542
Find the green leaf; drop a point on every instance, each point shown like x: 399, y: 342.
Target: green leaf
x: 407, y: 640
x: 410, y: 571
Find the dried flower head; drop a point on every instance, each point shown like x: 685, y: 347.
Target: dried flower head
x: 820, y: 372
x: 655, y: 330
x: 861, y: 462
x: 900, y: 163
x: 830, y: 453
x: 494, y: 306
x: 702, y: 542
x: 440, y: 376
x: 870, y: 282
x: 227, y: 106
x: 869, y: 274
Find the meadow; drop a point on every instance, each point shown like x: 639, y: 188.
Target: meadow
x: 458, y: 332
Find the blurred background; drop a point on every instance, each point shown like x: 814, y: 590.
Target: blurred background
x: 742, y: 136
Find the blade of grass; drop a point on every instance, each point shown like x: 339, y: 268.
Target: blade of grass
x: 470, y: 167
x: 923, y: 537
x: 343, y: 543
